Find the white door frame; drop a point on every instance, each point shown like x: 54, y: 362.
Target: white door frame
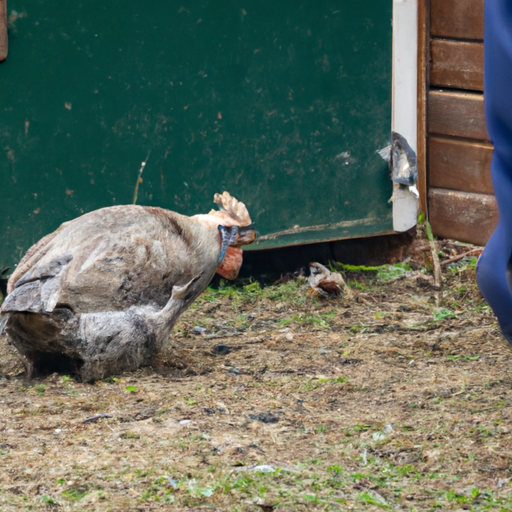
x: 405, y: 101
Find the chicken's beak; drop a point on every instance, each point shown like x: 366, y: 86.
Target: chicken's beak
x: 245, y: 236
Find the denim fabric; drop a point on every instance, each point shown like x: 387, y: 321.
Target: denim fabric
x: 494, y: 266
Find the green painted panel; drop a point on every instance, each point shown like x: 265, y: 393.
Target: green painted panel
x: 283, y: 104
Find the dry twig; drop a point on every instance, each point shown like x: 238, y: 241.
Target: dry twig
x: 463, y: 255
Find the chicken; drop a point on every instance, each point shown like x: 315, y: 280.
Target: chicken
x: 324, y: 282
x: 101, y: 294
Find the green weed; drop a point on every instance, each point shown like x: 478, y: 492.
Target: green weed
x: 444, y: 314
x: 40, y: 389
x: 373, y: 498
x: 383, y: 273
x: 48, y: 500
x: 74, y: 494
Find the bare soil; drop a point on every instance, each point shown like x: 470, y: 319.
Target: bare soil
x: 394, y: 397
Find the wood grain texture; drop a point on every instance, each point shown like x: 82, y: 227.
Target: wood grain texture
x: 457, y: 19
x: 460, y: 165
x: 458, y: 114
x: 462, y: 216
x: 457, y: 64
x: 3, y: 30
x: 421, y: 152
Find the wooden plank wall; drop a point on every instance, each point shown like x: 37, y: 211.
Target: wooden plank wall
x: 461, y: 203
x: 3, y: 29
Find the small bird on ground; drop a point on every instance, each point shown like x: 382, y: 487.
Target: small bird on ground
x: 324, y: 282
x: 101, y: 294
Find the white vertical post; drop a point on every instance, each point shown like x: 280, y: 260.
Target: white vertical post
x: 404, y: 101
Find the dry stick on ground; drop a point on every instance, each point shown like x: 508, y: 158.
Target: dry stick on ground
x: 463, y: 255
x: 437, y: 264
x: 438, y: 280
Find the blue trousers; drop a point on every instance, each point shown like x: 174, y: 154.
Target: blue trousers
x: 494, y: 269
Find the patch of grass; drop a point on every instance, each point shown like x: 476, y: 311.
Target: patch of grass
x: 74, y: 494
x: 352, y: 268
x: 323, y: 381
x: 373, y: 498
x: 382, y: 273
x: 391, y: 272
x: 48, y: 500
x: 444, y: 314
x: 358, y: 328
x: 196, y: 489
x: 111, y: 379
x: 293, y: 293
x: 129, y: 435
x: 459, y: 357
x: 463, y: 265
x: 357, y: 285
x: 40, y: 389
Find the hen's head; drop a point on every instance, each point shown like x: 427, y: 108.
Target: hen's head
x: 232, y: 213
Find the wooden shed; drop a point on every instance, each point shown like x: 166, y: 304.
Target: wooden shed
x: 454, y: 147
x: 284, y: 104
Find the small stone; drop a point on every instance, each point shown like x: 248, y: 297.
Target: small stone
x: 379, y: 436
x: 221, y: 350
x: 264, y: 417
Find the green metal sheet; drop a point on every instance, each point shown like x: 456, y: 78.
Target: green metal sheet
x: 283, y: 104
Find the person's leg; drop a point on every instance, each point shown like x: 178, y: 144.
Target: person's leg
x: 493, y: 274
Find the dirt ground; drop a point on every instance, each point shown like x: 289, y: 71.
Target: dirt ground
x: 396, y: 397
